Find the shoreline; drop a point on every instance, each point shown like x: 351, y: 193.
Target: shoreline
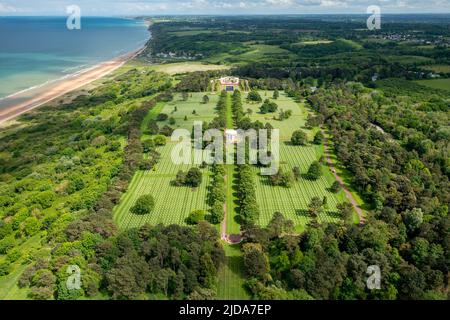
x: 63, y: 86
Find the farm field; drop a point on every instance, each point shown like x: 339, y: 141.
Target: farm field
x: 185, y: 67
x: 445, y: 68
x: 293, y: 202
x: 172, y: 203
x: 443, y: 84
x: 255, y: 52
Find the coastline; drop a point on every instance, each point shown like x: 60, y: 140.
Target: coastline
x: 57, y: 88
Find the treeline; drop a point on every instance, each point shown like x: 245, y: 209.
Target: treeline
x: 220, y: 121
x: 248, y: 208
x: 87, y: 169
x: 238, y: 110
x: 99, y: 220
x: 331, y: 261
x: 173, y: 261
x: 199, y: 81
x: 395, y: 152
x: 217, y: 194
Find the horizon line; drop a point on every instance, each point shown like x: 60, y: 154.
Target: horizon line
x: 227, y: 15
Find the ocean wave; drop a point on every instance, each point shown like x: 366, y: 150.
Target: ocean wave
x: 48, y: 82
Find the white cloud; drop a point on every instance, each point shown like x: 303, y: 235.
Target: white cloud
x: 142, y: 7
x: 280, y: 2
x: 5, y: 8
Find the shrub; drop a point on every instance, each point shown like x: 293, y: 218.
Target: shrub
x: 193, y: 177
x: 335, y: 187
x: 162, y: 117
x: 217, y: 213
x: 166, y: 131
x: 282, y: 178
x: 318, y: 138
x: 160, y: 140
x: 299, y: 138
x: 148, y: 145
x: 153, y: 127
x: 315, y: 171
x: 196, y: 216
x: 5, y: 268
x: 143, y: 205
x: 268, y: 107
x: 276, y: 94
x: 254, y: 96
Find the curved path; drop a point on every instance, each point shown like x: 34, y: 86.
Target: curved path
x: 348, y: 194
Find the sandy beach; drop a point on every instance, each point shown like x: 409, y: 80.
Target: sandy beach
x: 61, y: 87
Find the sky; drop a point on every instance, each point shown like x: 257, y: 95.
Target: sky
x: 223, y: 7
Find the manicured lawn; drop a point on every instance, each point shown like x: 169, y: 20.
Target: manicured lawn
x: 172, y: 204
x: 185, y: 67
x: 293, y: 202
x: 443, y: 84
x: 231, y: 278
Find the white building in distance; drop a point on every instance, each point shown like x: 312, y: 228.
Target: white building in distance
x: 229, y: 84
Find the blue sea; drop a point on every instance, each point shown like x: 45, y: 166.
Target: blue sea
x: 38, y: 50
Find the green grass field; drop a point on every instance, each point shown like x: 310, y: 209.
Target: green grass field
x: 443, y: 84
x: 313, y: 42
x: 445, y: 68
x: 253, y: 53
x: 293, y: 202
x: 231, y: 278
x: 185, y: 67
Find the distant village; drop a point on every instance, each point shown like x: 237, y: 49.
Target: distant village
x: 412, y: 38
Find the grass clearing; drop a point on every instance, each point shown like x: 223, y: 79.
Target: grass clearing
x: 255, y: 52
x: 314, y: 42
x: 186, y: 67
x: 440, y: 68
x: 443, y: 84
x: 231, y: 277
